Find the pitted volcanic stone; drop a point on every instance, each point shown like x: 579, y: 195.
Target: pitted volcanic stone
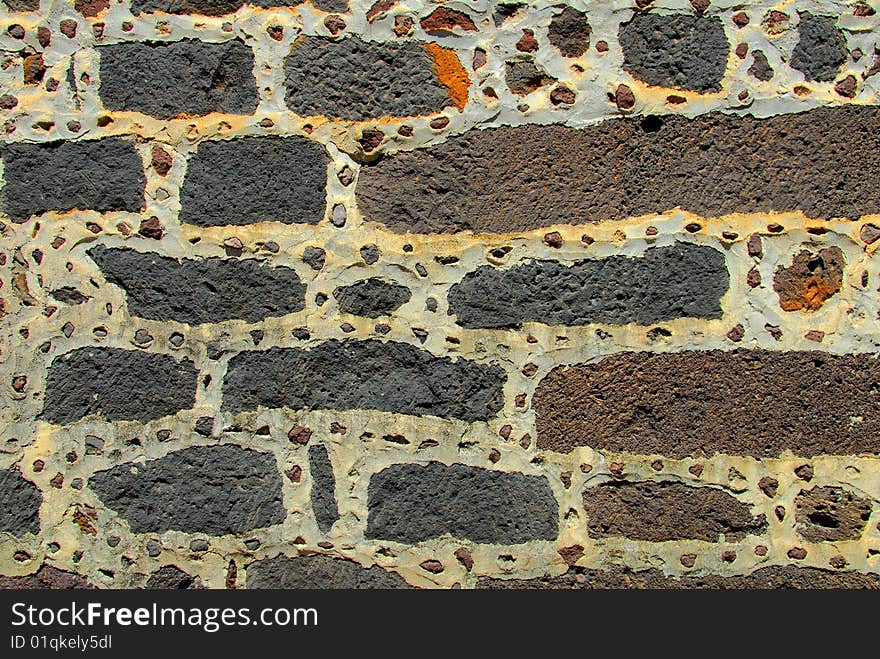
x: 323, y: 492
x: 744, y: 402
x: 171, y: 577
x: 222, y: 7
x: 118, y: 385
x: 19, y: 504
x: 166, y: 79
x: 770, y: 577
x: 198, y: 291
x: 357, y: 80
x: 255, y: 179
x: 46, y: 578
x: 319, y: 572
x: 22, y: 5
x: 811, y: 279
x: 679, y: 281
x: 569, y: 32
x: 616, y: 170
x: 821, y: 50
x: 675, y: 50
x: 412, y: 502
x: 347, y: 375
x: 203, y: 489
x: 100, y: 175
x: 371, y: 298
x: 828, y: 513
x: 657, y: 511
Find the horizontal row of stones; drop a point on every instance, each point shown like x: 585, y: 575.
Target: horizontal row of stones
x: 629, y: 402
x: 567, y: 176
x: 411, y: 503
x: 688, y: 53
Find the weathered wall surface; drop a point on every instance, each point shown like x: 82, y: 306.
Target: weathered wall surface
x: 437, y: 294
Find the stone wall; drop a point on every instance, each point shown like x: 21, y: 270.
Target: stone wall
x: 439, y: 294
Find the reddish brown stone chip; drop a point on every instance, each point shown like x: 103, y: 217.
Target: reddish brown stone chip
x: 811, y: 279
x: 831, y: 513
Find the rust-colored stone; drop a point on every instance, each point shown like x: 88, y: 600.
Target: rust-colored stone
x: 811, y: 279
x: 444, y: 20
x: 831, y: 513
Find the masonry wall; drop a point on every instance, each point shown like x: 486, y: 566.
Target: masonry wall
x: 439, y: 294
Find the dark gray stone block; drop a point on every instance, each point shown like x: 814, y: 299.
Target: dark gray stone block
x: 323, y: 492
x: 675, y: 50
x: 204, y: 489
x: 821, y: 50
x: 19, y: 504
x: 98, y: 175
x: 679, y: 281
x: 371, y: 298
x: 255, y: 179
x: 166, y: 79
x: 322, y: 572
x: 356, y: 80
x: 199, y: 291
x: 117, y: 385
x: 411, y: 503
x: 346, y: 375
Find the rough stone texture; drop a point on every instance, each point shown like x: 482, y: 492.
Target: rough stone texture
x: 676, y: 50
x: 222, y: 7
x: 616, y: 170
x: 523, y: 76
x: 200, y: 291
x: 344, y: 375
x: 412, y: 503
x: 569, y: 32
x: 206, y: 489
x: 811, y: 279
x: 657, y: 511
x: 821, y: 49
x: 171, y: 577
x: 371, y: 298
x: 323, y: 492
x: 255, y: 179
x: 321, y: 572
x: 760, y: 67
x: 100, y: 175
x: 19, y: 504
x: 680, y: 281
x: 746, y: 402
x: 827, y: 513
x: 117, y: 385
x: 167, y: 79
x: 22, y: 5
x: 46, y: 578
x: 368, y: 80
x: 765, y: 578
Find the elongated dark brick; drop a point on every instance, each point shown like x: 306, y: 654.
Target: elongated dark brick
x: 200, y: 290
x: 411, y: 503
x: 171, y: 577
x: 371, y: 298
x: 205, y: 489
x: 19, y: 504
x: 323, y: 492
x: 675, y: 50
x: 255, y: 179
x: 667, y: 510
x: 744, y: 402
x: 357, y: 80
x: 616, y: 169
x: 680, y: 281
x: 188, y: 77
x: 770, y: 577
x: 117, y: 385
x: 99, y: 175
x: 222, y: 7
x: 46, y: 578
x: 828, y: 513
x: 346, y: 375
x: 319, y: 572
